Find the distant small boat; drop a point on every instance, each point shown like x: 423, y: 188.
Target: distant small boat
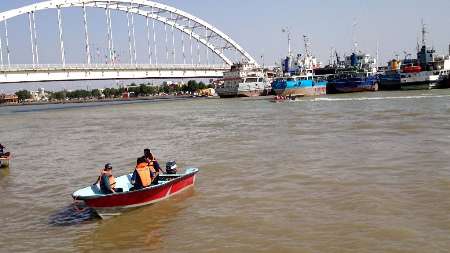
x: 114, y: 204
x: 4, y: 160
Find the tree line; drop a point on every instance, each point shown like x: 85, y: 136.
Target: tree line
x: 136, y: 91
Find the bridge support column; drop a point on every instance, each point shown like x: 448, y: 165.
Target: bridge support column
x: 134, y: 39
x: 154, y: 39
x: 167, y: 43
x: 207, y: 49
x: 112, y: 55
x: 1, y: 51
x: 32, y: 39
x: 148, y: 40
x: 130, y: 51
x: 61, y: 41
x: 7, y: 43
x: 173, y: 38
x: 190, y: 39
x: 35, y: 38
x: 86, y: 36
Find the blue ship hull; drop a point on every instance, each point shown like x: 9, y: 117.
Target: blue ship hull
x: 390, y: 82
x: 296, y: 87
x: 352, y: 84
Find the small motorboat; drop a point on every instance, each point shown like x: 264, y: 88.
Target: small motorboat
x: 114, y: 204
x: 4, y: 160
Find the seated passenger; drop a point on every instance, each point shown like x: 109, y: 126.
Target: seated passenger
x: 2, y: 151
x: 142, y: 175
x: 153, y: 163
x: 108, y: 181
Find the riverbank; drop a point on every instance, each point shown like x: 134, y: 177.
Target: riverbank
x: 108, y: 100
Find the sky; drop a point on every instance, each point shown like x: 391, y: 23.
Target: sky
x: 256, y: 25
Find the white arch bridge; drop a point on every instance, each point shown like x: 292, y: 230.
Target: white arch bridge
x: 177, y: 45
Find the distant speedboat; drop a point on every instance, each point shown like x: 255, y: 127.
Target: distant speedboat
x: 107, y: 205
x: 4, y: 160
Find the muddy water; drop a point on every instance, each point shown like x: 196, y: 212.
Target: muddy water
x: 366, y: 172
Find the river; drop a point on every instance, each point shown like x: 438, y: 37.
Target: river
x: 365, y: 172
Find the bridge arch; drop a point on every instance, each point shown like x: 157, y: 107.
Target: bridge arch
x: 212, y: 37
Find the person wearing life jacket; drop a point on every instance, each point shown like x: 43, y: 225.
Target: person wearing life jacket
x: 143, y: 175
x: 153, y: 163
x: 2, y: 150
x: 107, y: 181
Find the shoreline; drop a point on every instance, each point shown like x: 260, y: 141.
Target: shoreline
x: 109, y: 100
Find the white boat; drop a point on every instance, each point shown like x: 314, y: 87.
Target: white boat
x: 244, y: 80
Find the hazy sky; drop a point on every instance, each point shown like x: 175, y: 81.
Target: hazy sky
x: 256, y: 25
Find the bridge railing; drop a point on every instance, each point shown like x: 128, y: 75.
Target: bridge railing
x: 68, y: 67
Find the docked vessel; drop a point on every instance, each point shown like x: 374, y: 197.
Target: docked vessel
x: 300, y: 85
x: 298, y: 77
x: 244, y: 80
x: 358, y: 74
x: 424, y: 72
x: 107, y: 205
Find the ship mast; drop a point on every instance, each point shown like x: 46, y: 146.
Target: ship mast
x: 424, y: 33
x: 306, y: 41
x: 286, y: 30
x: 355, y: 43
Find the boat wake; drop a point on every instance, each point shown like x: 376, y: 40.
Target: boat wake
x: 74, y: 214
x: 381, y: 98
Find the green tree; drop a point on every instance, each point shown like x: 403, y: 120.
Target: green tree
x: 59, y: 95
x: 23, y: 95
x: 96, y: 93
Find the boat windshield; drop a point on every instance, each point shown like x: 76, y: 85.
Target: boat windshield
x: 251, y: 80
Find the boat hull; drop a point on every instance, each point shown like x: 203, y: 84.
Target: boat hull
x: 115, y: 204
x: 4, y: 161
x: 310, y: 91
x: 243, y: 90
x: 352, y: 85
x: 299, y: 88
x: 443, y: 84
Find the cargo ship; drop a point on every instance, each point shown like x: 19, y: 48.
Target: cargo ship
x: 298, y: 77
x: 424, y: 72
x: 244, y: 80
x: 357, y: 74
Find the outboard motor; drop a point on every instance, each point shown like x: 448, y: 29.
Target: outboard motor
x: 171, y: 167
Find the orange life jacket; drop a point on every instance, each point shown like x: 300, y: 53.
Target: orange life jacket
x: 112, y: 180
x: 144, y: 173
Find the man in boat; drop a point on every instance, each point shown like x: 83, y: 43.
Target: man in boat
x: 152, y: 162
x: 2, y: 151
x: 143, y: 175
x: 108, y: 181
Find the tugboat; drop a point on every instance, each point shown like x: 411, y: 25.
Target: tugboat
x: 244, y: 80
x: 298, y: 77
x: 358, y: 74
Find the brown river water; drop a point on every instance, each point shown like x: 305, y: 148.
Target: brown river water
x: 367, y: 172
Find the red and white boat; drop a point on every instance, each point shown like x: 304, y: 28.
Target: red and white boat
x: 4, y: 160
x: 114, y: 204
